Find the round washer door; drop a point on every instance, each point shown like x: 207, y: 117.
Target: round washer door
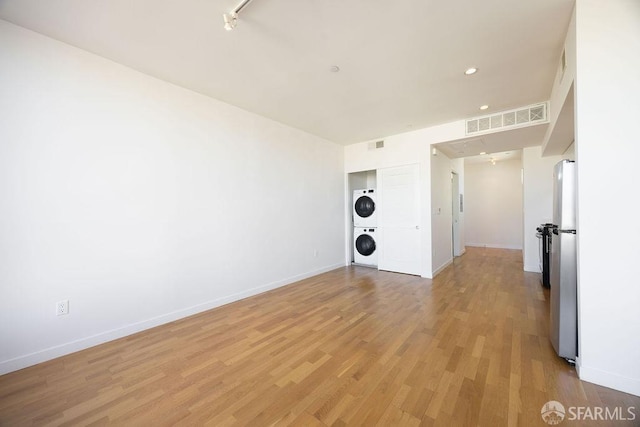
x: 365, y: 245
x: 364, y: 206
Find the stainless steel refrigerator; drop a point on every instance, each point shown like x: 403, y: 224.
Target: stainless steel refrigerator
x: 563, y: 268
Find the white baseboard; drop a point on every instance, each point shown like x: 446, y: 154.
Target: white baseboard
x: 50, y: 353
x: 442, y: 267
x: 532, y: 268
x: 493, y: 246
x: 609, y: 379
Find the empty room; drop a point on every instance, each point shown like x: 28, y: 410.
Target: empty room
x: 277, y: 212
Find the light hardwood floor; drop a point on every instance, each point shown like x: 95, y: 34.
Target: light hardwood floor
x: 354, y: 346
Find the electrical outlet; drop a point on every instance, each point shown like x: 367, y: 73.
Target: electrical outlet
x: 62, y: 307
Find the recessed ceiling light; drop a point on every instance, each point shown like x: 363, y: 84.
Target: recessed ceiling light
x: 470, y: 71
x: 484, y: 107
x: 334, y: 68
x: 482, y: 153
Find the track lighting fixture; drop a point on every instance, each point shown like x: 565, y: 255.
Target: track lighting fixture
x: 231, y: 18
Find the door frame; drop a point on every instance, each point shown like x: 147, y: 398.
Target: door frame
x: 456, y: 210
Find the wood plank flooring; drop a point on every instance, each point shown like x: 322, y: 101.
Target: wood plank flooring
x: 354, y: 346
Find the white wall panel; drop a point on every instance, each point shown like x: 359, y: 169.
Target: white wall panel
x: 607, y: 150
x: 493, y: 204
x: 141, y: 202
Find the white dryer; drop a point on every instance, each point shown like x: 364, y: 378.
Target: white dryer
x: 364, y: 246
x: 364, y: 208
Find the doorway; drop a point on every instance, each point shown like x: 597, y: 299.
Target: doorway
x: 456, y: 209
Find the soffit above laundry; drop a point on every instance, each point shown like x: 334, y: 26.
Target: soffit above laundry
x: 401, y: 63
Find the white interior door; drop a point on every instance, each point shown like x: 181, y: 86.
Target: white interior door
x: 399, y: 219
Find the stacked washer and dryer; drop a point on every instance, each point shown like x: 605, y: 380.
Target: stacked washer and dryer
x: 365, y: 224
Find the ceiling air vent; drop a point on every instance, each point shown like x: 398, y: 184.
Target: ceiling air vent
x: 520, y: 117
x: 375, y: 145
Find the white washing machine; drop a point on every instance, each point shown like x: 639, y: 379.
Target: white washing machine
x: 364, y: 208
x: 364, y: 246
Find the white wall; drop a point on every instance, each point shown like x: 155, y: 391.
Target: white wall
x: 538, y: 201
x: 404, y: 149
x: 554, y: 142
x: 142, y: 202
x: 441, y: 211
x: 493, y: 204
x: 608, y: 106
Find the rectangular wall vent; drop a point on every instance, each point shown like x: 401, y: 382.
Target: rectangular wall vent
x: 520, y: 117
x: 374, y: 145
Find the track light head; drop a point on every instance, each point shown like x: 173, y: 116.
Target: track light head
x: 230, y: 21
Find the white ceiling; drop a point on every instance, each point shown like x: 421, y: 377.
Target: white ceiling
x: 401, y: 62
x: 496, y: 157
x: 491, y: 144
